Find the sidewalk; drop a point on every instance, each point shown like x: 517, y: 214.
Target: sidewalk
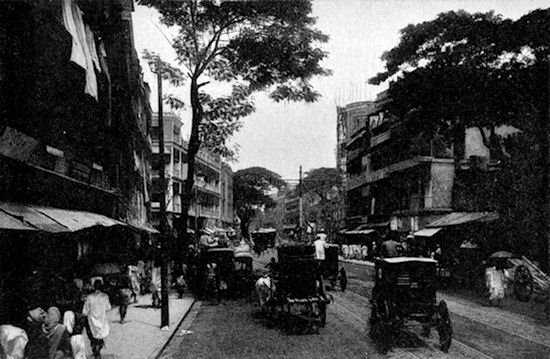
x: 140, y: 336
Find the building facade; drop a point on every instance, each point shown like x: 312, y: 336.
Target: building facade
x: 74, y: 124
x: 401, y: 178
x: 212, y: 204
x: 75, y: 146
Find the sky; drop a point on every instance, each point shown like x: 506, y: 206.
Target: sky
x: 283, y: 136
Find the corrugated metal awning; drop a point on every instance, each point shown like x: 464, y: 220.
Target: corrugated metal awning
x: 9, y: 222
x: 457, y: 218
x: 426, y: 232
x: 52, y: 220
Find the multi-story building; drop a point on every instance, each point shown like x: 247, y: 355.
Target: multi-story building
x: 212, y: 204
x: 401, y: 178
x: 74, y: 135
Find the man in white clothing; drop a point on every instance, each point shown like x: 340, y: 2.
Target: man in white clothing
x: 320, y: 244
x: 96, y: 307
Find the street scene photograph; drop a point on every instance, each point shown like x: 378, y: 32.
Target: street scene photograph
x: 249, y: 179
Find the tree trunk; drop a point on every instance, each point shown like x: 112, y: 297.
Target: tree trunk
x: 194, y: 145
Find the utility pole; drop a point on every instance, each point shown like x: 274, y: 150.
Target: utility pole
x: 301, y: 205
x: 546, y: 175
x: 164, y: 236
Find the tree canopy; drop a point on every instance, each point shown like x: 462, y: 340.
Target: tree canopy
x: 321, y: 181
x: 250, y: 45
x: 469, y: 70
x: 247, y: 46
x: 251, y: 188
x: 465, y: 70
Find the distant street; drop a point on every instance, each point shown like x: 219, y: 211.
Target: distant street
x: 236, y: 329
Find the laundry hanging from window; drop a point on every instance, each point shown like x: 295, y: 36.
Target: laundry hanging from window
x: 83, y: 51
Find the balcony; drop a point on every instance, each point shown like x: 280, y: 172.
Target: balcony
x: 353, y: 154
x: 203, y: 185
x: 356, y: 181
x: 378, y: 139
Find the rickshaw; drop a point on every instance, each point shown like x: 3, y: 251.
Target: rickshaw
x: 300, y: 299
x: 405, y: 290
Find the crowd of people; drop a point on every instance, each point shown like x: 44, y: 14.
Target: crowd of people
x: 81, y: 311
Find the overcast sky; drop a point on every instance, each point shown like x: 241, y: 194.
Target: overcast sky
x: 283, y: 136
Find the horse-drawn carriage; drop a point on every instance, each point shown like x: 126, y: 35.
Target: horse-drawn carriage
x: 233, y: 270
x: 295, y: 296
x: 405, y: 290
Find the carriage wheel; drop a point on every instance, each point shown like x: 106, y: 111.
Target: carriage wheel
x: 523, y: 286
x: 444, y: 327
x: 379, y: 318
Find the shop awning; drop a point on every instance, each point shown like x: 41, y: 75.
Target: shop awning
x: 360, y: 231
x: 51, y: 220
x: 265, y: 230
x: 457, y: 218
x: 9, y: 222
x: 426, y: 232
x: 208, y: 231
x: 144, y: 227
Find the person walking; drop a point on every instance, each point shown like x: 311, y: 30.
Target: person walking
x: 125, y: 295
x: 494, y: 281
x: 343, y: 279
x: 96, y: 306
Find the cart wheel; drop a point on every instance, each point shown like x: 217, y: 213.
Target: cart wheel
x: 444, y: 327
x: 426, y: 330
x: 379, y: 318
x: 523, y: 286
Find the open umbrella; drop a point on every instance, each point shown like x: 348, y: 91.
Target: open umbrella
x: 501, y: 254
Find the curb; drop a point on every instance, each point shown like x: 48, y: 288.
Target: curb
x: 157, y: 356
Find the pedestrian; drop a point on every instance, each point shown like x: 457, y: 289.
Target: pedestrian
x: 320, y: 243
x: 155, y: 292
x: 342, y: 276
x: 96, y: 306
x: 273, y: 268
x: 389, y: 248
x: 373, y: 250
x: 180, y: 285
x: 37, y: 347
x: 494, y: 281
x: 364, y: 252
x: 58, y: 338
x: 125, y: 295
x: 211, y: 282
x: 75, y: 324
x: 13, y: 341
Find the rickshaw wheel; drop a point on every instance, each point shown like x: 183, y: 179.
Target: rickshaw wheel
x: 444, y: 327
x: 379, y: 318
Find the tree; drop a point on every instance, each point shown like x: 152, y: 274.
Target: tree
x: 250, y: 192
x: 249, y: 45
x: 323, y: 183
x: 465, y: 70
